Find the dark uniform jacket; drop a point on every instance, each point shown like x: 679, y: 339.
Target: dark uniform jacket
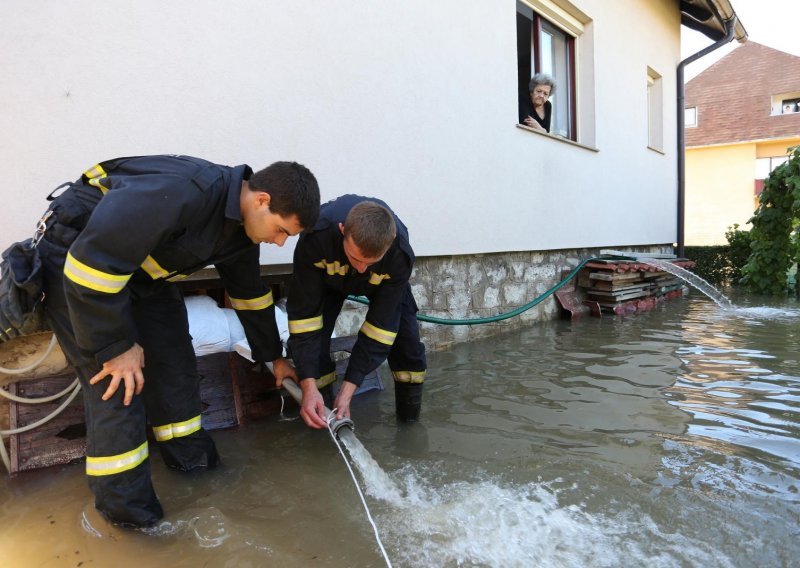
x: 156, y: 219
x: 321, y: 268
x: 526, y: 109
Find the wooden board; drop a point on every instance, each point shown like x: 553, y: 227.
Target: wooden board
x: 617, y: 297
x: 58, y: 441
x: 232, y: 390
x: 603, y: 286
x: 615, y: 276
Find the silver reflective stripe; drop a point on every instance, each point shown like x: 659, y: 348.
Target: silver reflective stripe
x: 305, y: 325
x: 326, y: 380
x: 92, y: 278
x: 154, y: 269
x: 378, y: 334
x: 260, y: 303
x: 177, y: 430
x: 109, y: 465
x: 409, y: 376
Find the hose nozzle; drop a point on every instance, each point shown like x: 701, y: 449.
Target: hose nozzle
x: 336, y: 425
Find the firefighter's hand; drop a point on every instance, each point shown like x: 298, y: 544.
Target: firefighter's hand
x: 282, y: 369
x: 124, y: 367
x: 342, y: 402
x: 312, y: 409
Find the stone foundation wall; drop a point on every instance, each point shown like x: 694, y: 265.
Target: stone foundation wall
x: 485, y: 285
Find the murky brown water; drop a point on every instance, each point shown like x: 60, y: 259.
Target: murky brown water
x: 666, y: 439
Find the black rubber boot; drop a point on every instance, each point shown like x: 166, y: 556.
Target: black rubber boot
x: 127, y: 500
x: 195, y: 451
x: 408, y: 401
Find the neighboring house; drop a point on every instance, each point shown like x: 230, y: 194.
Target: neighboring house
x: 742, y: 114
x: 413, y: 102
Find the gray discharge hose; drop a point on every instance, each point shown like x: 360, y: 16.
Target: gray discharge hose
x: 335, y: 425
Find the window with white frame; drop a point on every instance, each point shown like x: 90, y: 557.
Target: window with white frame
x: 790, y: 106
x: 765, y: 166
x: 655, y: 111
x: 785, y: 103
x: 690, y: 117
x: 544, y: 46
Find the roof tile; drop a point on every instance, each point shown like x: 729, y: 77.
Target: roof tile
x: 733, y: 97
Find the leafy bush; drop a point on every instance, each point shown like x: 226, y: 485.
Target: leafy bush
x: 739, y: 243
x: 712, y: 263
x: 773, y: 250
x: 722, y: 264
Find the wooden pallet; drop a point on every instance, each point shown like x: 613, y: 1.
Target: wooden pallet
x: 233, y: 390
x: 621, y: 286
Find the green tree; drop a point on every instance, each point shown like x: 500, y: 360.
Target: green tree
x: 773, y: 249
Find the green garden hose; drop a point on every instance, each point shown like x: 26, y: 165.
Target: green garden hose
x: 498, y: 317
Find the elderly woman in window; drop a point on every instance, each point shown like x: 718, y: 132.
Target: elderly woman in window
x: 536, y: 111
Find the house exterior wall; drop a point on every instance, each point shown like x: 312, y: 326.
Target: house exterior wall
x: 720, y: 191
x: 483, y: 286
x: 413, y: 102
x: 777, y: 148
x: 723, y: 147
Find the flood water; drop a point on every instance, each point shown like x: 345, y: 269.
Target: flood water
x: 670, y: 438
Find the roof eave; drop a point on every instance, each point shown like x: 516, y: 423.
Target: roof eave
x: 709, y: 17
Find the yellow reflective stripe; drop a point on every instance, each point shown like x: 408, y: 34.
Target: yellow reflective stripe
x: 177, y: 277
x: 376, y: 279
x: 378, y: 334
x: 325, y: 380
x: 409, y: 376
x: 92, y: 278
x: 332, y: 268
x: 94, y: 175
x: 154, y: 269
x: 109, y: 465
x: 305, y: 325
x: 260, y: 303
x: 177, y: 430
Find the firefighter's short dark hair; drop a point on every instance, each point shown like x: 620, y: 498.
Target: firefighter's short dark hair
x: 372, y: 228
x: 293, y: 190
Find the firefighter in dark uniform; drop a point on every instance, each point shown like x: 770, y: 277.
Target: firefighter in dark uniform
x: 117, y: 239
x: 357, y: 247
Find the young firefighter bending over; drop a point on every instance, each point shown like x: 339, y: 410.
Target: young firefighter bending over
x: 116, y: 240
x: 357, y: 247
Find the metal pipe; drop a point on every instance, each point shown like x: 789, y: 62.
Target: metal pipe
x: 335, y: 425
x: 730, y: 27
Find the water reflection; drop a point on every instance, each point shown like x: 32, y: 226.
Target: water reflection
x: 666, y: 439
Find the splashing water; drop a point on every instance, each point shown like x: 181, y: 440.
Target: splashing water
x: 691, y: 278
x: 491, y: 523
x: 378, y: 484
x: 768, y: 313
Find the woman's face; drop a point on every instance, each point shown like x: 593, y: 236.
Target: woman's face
x: 540, y: 94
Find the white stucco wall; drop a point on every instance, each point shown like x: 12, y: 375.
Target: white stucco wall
x: 413, y: 102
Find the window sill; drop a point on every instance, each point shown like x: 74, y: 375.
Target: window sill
x: 558, y: 138
x: 662, y: 152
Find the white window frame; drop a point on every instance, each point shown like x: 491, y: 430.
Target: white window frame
x: 687, y: 113
x: 577, y: 24
x: 779, y: 101
x: 655, y: 110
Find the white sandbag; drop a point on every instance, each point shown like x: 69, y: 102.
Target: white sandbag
x: 208, y: 326
x: 235, y: 327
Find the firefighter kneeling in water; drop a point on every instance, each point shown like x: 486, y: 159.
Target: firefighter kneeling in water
x: 116, y: 240
x: 357, y: 247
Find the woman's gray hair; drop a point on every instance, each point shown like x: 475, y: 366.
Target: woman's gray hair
x: 542, y: 79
